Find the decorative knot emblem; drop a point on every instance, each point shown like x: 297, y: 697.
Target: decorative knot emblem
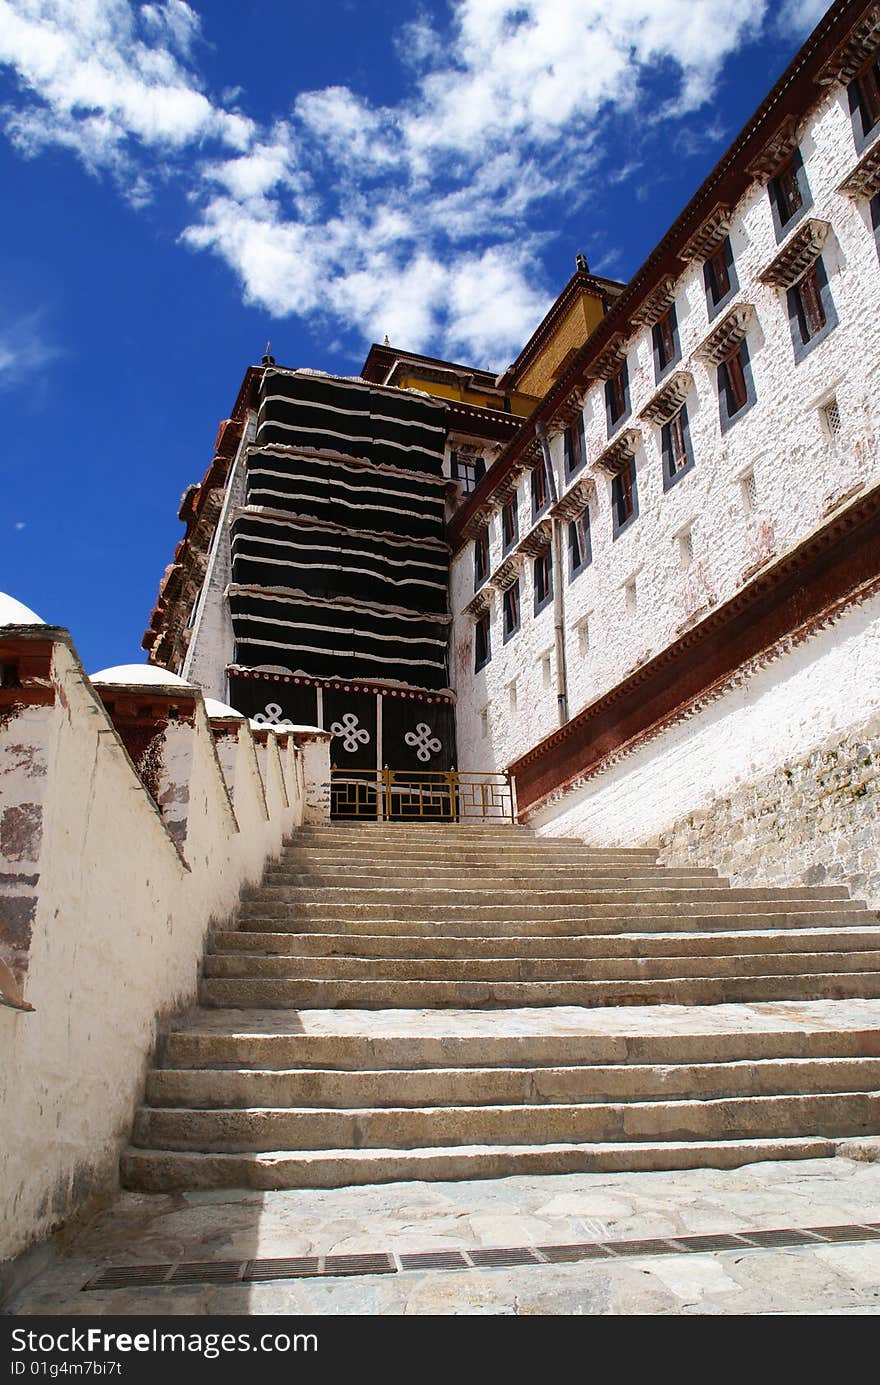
x: 351, y: 733
x: 272, y: 716
x: 424, y: 743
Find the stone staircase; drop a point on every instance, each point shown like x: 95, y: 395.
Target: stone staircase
x: 452, y: 1002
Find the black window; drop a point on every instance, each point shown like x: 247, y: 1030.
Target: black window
x: 617, y: 398
x: 736, y: 391
x: 811, y: 311
x: 481, y: 558
x: 509, y: 523
x: 543, y: 578
x: 482, y: 646
x: 575, y: 447
x: 875, y: 219
x: 719, y: 276
x: 675, y: 444
x: 624, y: 498
x: 468, y: 470
x: 540, y: 494
x: 511, y: 610
x: 864, y: 102
x: 790, y: 195
x: 666, y: 348
x: 580, y: 548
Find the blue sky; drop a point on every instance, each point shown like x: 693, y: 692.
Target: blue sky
x: 182, y: 181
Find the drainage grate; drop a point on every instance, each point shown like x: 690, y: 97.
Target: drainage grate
x: 434, y: 1260
x: 483, y: 1257
x: 291, y: 1267
x: 359, y: 1264
x: 507, y: 1255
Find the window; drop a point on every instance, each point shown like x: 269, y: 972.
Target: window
x: 736, y: 391
x: 468, y: 470
x: 631, y: 597
x: 617, y: 398
x: 831, y: 420
x: 583, y: 634
x: 811, y: 311
x: 543, y: 578
x: 547, y: 672
x: 509, y: 523
x: 675, y: 445
x: 686, y: 547
x: 540, y: 496
x: 749, y: 493
x: 875, y: 219
x: 580, y: 548
x: 482, y: 645
x: 484, y: 722
x: 511, y: 610
x: 666, y: 347
x: 575, y: 447
x: 719, y: 276
x: 864, y: 102
x: 481, y: 558
x: 624, y: 498
x: 512, y: 696
x: 789, y: 195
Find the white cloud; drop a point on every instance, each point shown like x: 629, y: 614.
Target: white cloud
x: 407, y: 218
x: 25, y: 346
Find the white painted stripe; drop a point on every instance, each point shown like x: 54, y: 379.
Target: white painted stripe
x: 350, y: 413
x: 334, y: 548
x: 340, y: 567
x: 418, y: 496
x: 347, y: 654
x: 346, y: 437
x: 337, y: 500
x: 361, y: 633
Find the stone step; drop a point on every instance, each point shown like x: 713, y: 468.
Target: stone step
x: 586, y: 909
x: 415, y: 946
x: 275, y: 1039
x: 416, y: 1087
x: 421, y: 897
x: 486, y: 861
x: 271, y: 1128
x: 600, y: 924
x: 267, y: 993
x: 458, y: 878
x: 165, y: 1171
x: 514, y: 969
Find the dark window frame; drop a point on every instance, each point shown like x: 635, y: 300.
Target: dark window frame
x: 874, y: 210
x: 574, y: 442
x: 469, y: 472
x: 580, y: 541
x: 859, y: 104
x: 725, y: 386
x: 481, y: 558
x: 783, y: 218
x: 663, y: 367
x: 511, y: 594
x: 539, y: 507
x: 715, y: 304
x: 482, y: 632
x: 619, y: 491
x: 802, y: 338
x: 613, y: 397
x: 511, y: 507
x: 671, y: 474
x: 543, y: 563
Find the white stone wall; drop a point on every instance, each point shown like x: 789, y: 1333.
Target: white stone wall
x: 778, y: 780
x: 118, y: 938
x: 799, y: 474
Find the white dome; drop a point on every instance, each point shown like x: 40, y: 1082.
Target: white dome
x: 147, y: 675
x: 12, y: 612
x: 219, y: 709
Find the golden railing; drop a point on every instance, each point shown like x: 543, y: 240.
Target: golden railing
x: 395, y: 795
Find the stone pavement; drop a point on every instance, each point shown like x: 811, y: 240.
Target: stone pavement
x: 815, y: 1278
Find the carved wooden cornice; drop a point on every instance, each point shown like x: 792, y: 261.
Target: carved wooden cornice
x: 658, y: 302
x: 536, y: 540
x: 710, y: 234
x: 857, y: 49
x: 508, y: 487
x: 505, y: 575
x: 568, y: 411
x: 570, y: 505
x: 779, y: 147
x: 610, y: 362
x: 480, y: 519
x: 479, y: 604
x: 730, y: 330
x: 617, y: 457
x: 864, y: 180
x: 663, y: 405
x: 798, y: 253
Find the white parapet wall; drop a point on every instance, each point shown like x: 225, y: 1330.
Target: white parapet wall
x: 104, y: 912
x: 776, y: 780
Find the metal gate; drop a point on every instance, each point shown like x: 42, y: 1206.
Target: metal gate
x: 394, y: 795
